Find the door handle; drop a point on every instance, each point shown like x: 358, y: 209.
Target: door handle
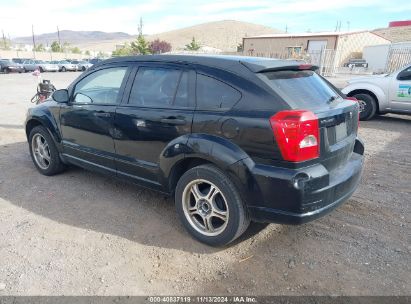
x: 173, y: 121
x: 102, y: 114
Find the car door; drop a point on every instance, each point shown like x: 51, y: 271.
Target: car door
x: 158, y: 109
x: 400, y: 91
x: 87, y: 120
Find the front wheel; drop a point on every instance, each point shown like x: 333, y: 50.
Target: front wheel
x: 368, y: 106
x: 210, y: 206
x: 44, y: 152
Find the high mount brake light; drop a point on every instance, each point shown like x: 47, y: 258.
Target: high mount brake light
x: 305, y: 67
x: 297, y: 133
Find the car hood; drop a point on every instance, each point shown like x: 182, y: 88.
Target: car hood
x: 370, y: 78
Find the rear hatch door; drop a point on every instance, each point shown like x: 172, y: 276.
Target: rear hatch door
x: 304, y: 89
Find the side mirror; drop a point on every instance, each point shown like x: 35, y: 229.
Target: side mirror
x: 404, y: 75
x: 61, y: 96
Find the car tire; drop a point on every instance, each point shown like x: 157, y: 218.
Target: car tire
x: 6, y: 70
x: 83, y: 68
x: 44, y: 152
x: 368, y: 106
x: 210, y: 206
x: 63, y: 69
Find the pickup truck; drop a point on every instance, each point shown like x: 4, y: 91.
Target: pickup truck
x: 379, y: 94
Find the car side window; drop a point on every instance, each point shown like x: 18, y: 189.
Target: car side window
x: 213, y: 94
x: 405, y: 74
x: 100, y: 87
x: 160, y: 88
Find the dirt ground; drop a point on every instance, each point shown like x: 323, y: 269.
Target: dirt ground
x: 80, y: 233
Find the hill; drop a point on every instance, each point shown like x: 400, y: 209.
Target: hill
x: 73, y: 37
x: 224, y: 35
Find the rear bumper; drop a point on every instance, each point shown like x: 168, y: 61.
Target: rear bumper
x: 299, y: 196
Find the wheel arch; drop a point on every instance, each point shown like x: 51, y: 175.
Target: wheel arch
x: 374, y: 91
x: 368, y: 92
x: 208, y: 149
x: 51, y: 127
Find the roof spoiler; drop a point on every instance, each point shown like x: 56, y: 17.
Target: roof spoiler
x: 261, y: 66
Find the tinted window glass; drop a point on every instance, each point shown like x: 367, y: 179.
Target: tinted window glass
x: 300, y: 89
x: 101, y: 87
x: 213, y: 94
x: 181, y: 99
x: 155, y: 87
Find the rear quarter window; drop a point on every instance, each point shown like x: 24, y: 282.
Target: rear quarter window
x: 213, y: 94
x: 300, y: 89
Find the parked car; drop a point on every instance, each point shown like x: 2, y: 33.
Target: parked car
x: 380, y: 94
x: 65, y: 65
x: 47, y: 66
x: 95, y: 60
x: 362, y: 63
x: 42, y: 66
x: 233, y: 139
x: 8, y: 66
x: 19, y: 60
x: 82, y: 65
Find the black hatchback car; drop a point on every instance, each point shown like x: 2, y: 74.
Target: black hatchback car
x: 234, y: 139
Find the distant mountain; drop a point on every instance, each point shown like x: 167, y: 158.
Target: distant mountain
x: 224, y: 35
x: 73, y: 37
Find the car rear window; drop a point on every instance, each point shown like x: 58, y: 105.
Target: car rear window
x: 300, y: 89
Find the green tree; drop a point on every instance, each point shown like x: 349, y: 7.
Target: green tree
x: 65, y: 47
x: 87, y: 53
x: 39, y: 48
x: 140, y: 46
x: 55, y: 47
x: 124, y: 50
x: 75, y: 50
x: 5, y: 44
x: 193, y: 45
x: 100, y: 54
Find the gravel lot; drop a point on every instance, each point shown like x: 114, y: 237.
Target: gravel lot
x: 80, y: 233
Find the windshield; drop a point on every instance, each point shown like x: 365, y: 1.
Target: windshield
x: 300, y: 89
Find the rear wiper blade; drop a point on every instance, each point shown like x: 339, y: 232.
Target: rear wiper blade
x: 331, y: 99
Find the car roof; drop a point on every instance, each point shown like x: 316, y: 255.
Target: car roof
x: 225, y: 62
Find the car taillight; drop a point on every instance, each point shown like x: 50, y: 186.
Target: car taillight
x: 297, y: 134
x: 356, y: 100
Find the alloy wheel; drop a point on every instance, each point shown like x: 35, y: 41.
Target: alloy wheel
x: 205, y: 207
x: 41, y: 151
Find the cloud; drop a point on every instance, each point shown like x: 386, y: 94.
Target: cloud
x: 164, y: 15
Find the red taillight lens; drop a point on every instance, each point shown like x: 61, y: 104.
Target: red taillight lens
x: 297, y: 134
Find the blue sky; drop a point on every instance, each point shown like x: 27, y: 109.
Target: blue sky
x: 164, y: 15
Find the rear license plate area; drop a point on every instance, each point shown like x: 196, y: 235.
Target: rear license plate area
x: 341, y: 131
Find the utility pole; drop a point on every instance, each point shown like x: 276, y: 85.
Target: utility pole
x: 4, y: 40
x: 348, y: 26
x: 286, y: 28
x: 58, y: 36
x: 34, y: 42
x: 140, y: 27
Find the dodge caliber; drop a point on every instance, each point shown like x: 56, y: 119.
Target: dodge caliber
x: 232, y: 139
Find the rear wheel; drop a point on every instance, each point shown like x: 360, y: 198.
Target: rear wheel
x: 368, y: 106
x: 63, y: 69
x: 44, y: 152
x: 209, y: 206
